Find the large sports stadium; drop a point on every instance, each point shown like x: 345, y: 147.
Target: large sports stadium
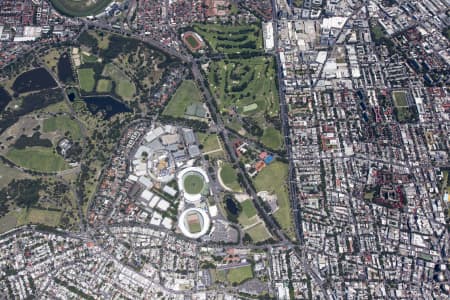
x: 193, y: 182
x: 194, y: 223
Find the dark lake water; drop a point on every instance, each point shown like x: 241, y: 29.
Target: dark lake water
x: 231, y: 206
x: 5, y: 98
x: 106, y: 105
x: 33, y: 80
x: 65, y: 73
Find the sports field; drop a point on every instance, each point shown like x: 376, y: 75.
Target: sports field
x: 240, y: 274
x: 38, y: 159
x: 63, y: 124
x: 104, y: 86
x: 399, y: 98
x: 194, y: 227
x: 192, y: 42
x: 272, y: 138
x: 229, y: 177
x: 273, y: 179
x: 193, y: 183
x: 81, y: 8
x: 186, y: 94
x: 231, y: 38
x: 86, y: 79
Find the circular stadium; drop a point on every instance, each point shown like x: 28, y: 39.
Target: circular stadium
x: 193, y: 182
x: 194, y: 223
x: 161, y: 166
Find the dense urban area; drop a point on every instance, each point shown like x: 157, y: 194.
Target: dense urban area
x: 224, y: 149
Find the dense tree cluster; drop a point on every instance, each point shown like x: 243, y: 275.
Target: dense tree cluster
x: 35, y: 140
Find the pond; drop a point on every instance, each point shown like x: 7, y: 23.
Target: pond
x: 65, y: 73
x: 33, y: 80
x: 106, y: 105
x: 231, y: 206
x: 5, y: 98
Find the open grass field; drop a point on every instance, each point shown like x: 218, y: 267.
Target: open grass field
x: 186, y: 94
x: 210, y: 142
x: 229, y: 177
x: 46, y: 217
x: 104, y: 86
x: 63, y: 124
x: 124, y: 87
x: 7, y: 174
x: 240, y: 274
x: 272, y: 138
x: 248, y: 208
x: 399, y: 98
x: 23, y: 216
x: 258, y: 233
x: 8, y: 222
x: 86, y: 79
x: 273, y: 179
x: 38, y: 159
x: 51, y: 58
x: 80, y: 8
x: 246, y: 86
x: 218, y: 275
x: 231, y: 38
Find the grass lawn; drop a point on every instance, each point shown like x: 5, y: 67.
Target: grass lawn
x: 47, y: 217
x: 210, y: 142
x: 272, y: 138
x: 258, y: 233
x: 103, y: 41
x: 124, y: 87
x: 239, y: 275
x: 8, y: 222
x: 63, y: 124
x: 404, y: 114
x: 7, y: 174
x: 186, y: 94
x: 88, y: 58
x: 51, y: 58
x: 60, y: 107
x: 248, y: 208
x: 229, y: 177
x: 218, y: 275
x: 38, y: 159
x: 231, y: 38
x: 400, y: 99
x: 86, y: 79
x: 104, y: 86
x: 273, y: 179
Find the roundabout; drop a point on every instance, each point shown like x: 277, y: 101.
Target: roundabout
x: 194, y: 223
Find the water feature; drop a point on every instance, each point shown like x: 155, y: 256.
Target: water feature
x: 106, y: 105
